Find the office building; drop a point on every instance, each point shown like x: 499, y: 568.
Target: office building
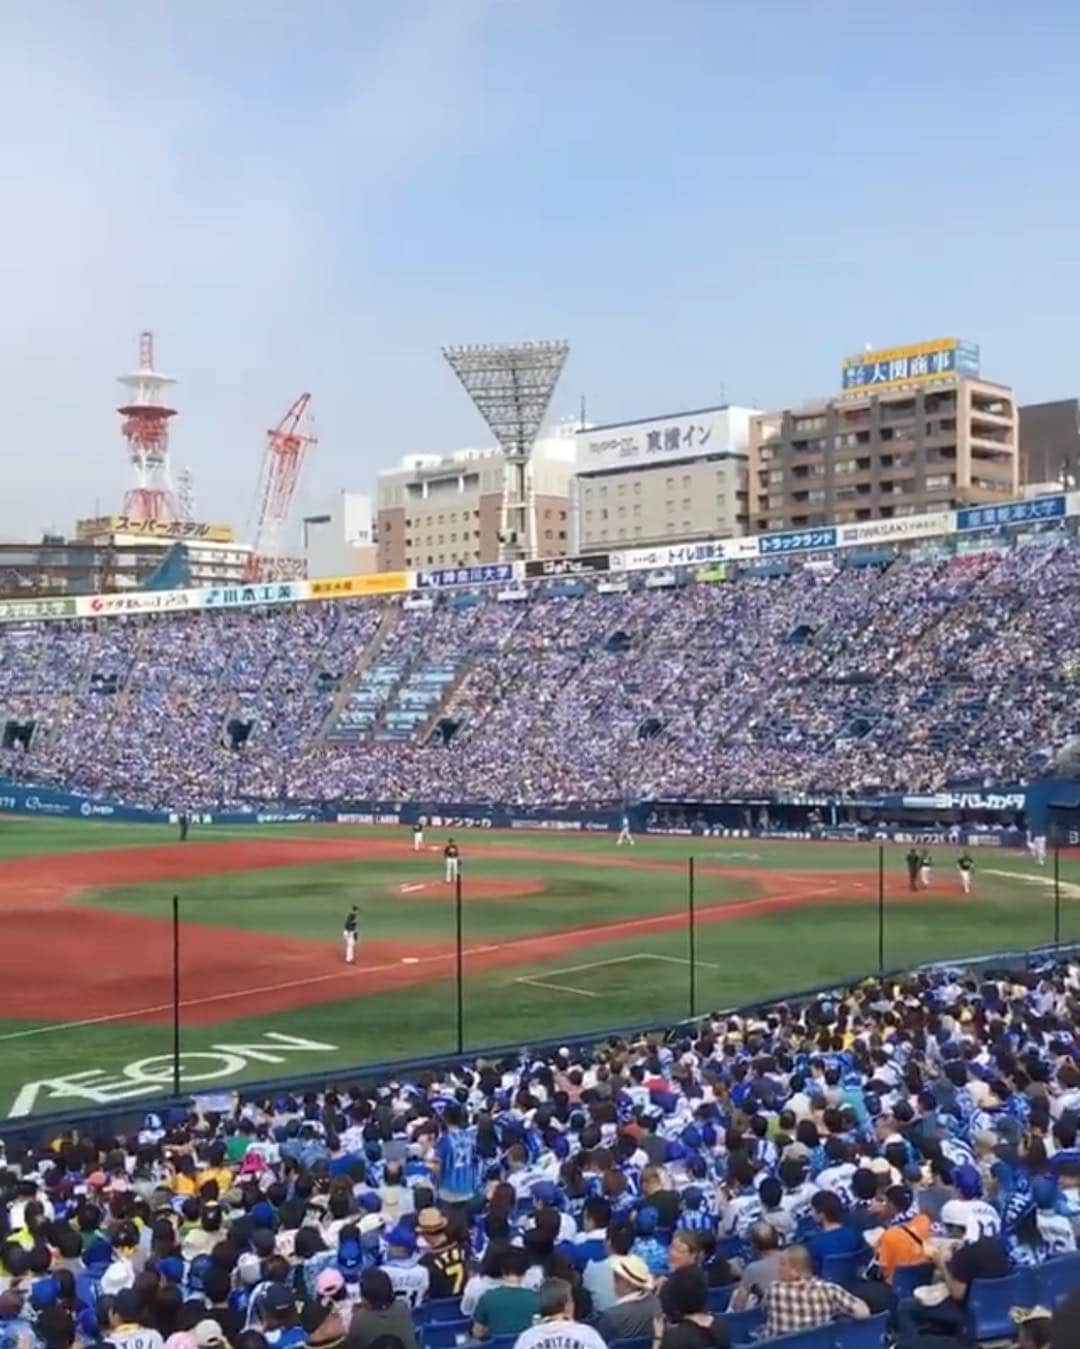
x: 662, y: 480
x: 443, y: 511
x: 1050, y: 444
x: 914, y: 430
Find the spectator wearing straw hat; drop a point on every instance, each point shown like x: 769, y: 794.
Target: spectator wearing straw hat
x: 636, y: 1304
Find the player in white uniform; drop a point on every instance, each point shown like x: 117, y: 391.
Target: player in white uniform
x: 417, y: 837
x: 926, y: 868
x: 351, y: 934
x: 965, y: 865
x: 1037, y: 848
x: 625, y: 836
x: 452, y: 859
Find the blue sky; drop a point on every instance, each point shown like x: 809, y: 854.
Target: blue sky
x: 706, y: 198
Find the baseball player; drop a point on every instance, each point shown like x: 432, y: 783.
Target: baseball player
x: 452, y: 858
x: 1037, y: 848
x: 965, y: 865
x: 417, y: 837
x: 351, y: 934
x: 912, y: 859
x: 625, y: 836
x: 926, y: 865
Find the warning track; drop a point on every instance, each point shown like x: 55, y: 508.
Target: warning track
x: 118, y: 966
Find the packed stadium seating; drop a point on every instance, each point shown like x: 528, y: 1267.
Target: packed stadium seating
x: 908, y: 676
x: 781, y: 1171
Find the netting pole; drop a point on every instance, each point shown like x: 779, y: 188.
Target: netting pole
x: 881, y: 908
x: 693, y: 937
x: 176, y: 994
x: 1057, y: 895
x: 460, y: 968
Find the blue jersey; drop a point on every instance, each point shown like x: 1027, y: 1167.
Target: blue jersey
x: 459, y: 1165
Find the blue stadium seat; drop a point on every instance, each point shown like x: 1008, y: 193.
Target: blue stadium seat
x: 1056, y: 1278
x: 644, y: 1343
x: 437, y: 1309
x: 444, y: 1334
x: 744, y: 1325
x: 909, y: 1277
x: 861, y: 1334
x: 821, y: 1337
x: 728, y: 1248
x: 843, y: 1269
x: 989, y: 1303
x: 720, y: 1298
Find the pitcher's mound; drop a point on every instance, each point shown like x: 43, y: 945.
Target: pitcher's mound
x: 478, y: 887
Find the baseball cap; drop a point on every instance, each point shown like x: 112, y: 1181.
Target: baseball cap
x: 171, y: 1268
x: 277, y: 1298
x: 249, y: 1268
x: 44, y: 1292
x: 545, y: 1192
x: 954, y: 1213
x: 402, y: 1238
x: 631, y: 1269
x: 208, y: 1334
x: 968, y: 1181
x: 329, y: 1283
x: 1044, y: 1192
x: 370, y: 1223
x: 116, y: 1278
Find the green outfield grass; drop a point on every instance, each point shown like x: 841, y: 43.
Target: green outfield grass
x: 619, y: 971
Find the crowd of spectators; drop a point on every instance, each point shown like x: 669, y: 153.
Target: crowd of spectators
x: 879, y: 1150
x: 925, y: 672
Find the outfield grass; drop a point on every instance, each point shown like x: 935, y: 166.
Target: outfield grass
x: 633, y: 977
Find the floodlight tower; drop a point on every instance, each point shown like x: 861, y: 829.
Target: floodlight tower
x: 511, y: 388
x: 146, y: 429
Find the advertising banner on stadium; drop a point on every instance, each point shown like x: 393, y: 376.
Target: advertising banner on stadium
x: 897, y: 529
x: 487, y: 574
x: 584, y: 565
x: 18, y: 611
x: 137, y: 602
x: 797, y: 541
x: 264, y: 592
x: 24, y: 800
x: 1011, y: 513
x: 377, y: 583
x: 897, y: 366
x: 695, y: 554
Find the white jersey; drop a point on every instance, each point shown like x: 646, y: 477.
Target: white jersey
x: 134, y: 1337
x: 409, y: 1280
x: 559, y: 1335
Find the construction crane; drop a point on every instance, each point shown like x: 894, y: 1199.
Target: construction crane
x: 286, y: 448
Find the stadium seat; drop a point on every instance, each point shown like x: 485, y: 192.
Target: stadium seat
x: 990, y: 1301
x: 437, y: 1309
x: 444, y: 1334
x: 720, y: 1298
x: 861, y: 1334
x: 820, y: 1337
x: 728, y: 1248
x: 909, y: 1277
x: 1056, y: 1278
x: 843, y: 1269
x: 744, y: 1325
x: 643, y: 1343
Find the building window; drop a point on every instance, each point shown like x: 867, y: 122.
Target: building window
x: 637, y: 489
x: 937, y: 481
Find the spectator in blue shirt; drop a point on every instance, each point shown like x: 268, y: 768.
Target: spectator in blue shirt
x: 835, y: 1236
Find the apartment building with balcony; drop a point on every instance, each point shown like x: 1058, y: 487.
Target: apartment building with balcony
x: 873, y: 454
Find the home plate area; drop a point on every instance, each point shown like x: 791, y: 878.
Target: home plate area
x: 600, y: 978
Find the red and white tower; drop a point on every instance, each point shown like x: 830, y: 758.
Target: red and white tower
x: 146, y: 430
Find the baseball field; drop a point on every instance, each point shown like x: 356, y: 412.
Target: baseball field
x: 561, y: 934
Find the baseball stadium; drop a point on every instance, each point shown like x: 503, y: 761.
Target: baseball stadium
x: 502, y: 865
